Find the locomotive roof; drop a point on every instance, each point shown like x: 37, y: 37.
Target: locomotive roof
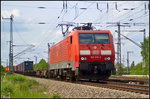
x: 88, y: 31
x: 83, y: 31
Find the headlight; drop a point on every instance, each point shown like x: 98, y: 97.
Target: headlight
x: 83, y: 58
x: 107, y: 58
x: 105, y: 52
x: 84, y: 52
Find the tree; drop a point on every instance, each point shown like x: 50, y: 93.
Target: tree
x: 132, y: 64
x: 41, y: 65
x: 120, y: 69
x: 138, y: 69
x: 146, y: 54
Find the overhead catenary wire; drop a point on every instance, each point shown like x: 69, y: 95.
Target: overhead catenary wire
x: 128, y: 17
x: 63, y: 8
x: 82, y: 12
x: 64, y: 12
x: 144, y: 15
x: 46, y: 33
x: 132, y: 14
x: 76, y: 11
x: 37, y: 46
x: 44, y: 38
x: 55, y: 21
x: 124, y: 13
x: 105, y: 11
x: 19, y: 34
x: 51, y: 32
x: 135, y: 8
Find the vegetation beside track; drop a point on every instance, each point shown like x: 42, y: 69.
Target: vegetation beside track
x: 135, y: 76
x: 41, y: 65
x: 139, y: 68
x: 18, y: 86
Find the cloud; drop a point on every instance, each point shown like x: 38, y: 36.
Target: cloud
x: 15, y: 12
x: 35, y: 43
x: 6, y: 13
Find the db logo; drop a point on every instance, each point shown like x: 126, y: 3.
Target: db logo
x: 95, y: 47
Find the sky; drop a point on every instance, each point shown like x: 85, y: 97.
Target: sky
x: 27, y: 31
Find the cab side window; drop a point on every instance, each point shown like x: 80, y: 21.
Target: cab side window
x: 70, y: 39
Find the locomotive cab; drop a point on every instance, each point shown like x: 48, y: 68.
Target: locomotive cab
x: 96, y: 54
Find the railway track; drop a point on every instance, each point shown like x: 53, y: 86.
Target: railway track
x: 119, y: 86
x: 129, y: 80
x: 129, y: 85
x: 142, y: 89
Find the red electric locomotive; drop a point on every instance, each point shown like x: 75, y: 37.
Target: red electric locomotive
x: 84, y: 54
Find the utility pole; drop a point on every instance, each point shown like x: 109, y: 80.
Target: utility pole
x: 11, y: 44
x: 35, y: 61
x: 119, y: 46
x: 144, y: 47
x: 123, y: 60
x: 6, y: 62
x: 49, y: 45
x: 48, y: 51
x: 118, y: 43
x: 128, y: 70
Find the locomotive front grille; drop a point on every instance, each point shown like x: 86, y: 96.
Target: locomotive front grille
x: 95, y: 67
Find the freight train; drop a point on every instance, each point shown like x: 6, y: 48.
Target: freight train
x: 84, y: 53
x: 25, y: 67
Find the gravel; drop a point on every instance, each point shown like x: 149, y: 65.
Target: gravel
x: 70, y: 90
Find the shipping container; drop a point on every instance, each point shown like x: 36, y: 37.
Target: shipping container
x: 6, y: 68
x: 26, y: 65
x: 15, y: 68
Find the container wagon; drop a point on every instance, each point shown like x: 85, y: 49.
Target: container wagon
x: 24, y: 67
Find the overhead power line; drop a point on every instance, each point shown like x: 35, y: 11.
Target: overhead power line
x: 135, y: 8
x: 82, y: 12
x: 19, y: 34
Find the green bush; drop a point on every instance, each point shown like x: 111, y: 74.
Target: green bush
x: 6, y: 89
x: 28, y: 84
x: 2, y: 71
x: 17, y: 86
x: 16, y: 78
x: 137, y: 70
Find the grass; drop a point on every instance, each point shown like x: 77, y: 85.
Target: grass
x: 18, y: 86
x: 55, y: 96
x: 137, y: 76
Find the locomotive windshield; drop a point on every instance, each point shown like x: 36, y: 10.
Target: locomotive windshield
x: 101, y: 38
